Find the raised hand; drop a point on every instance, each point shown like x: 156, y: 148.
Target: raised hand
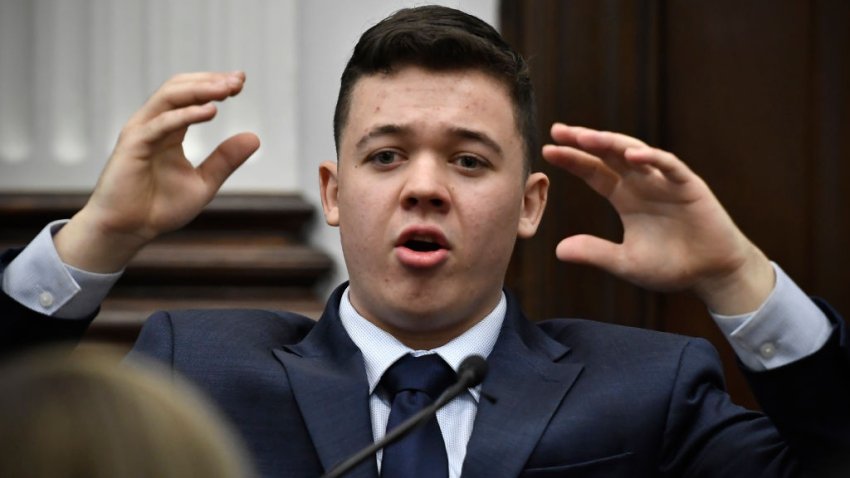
x: 148, y: 187
x: 676, y: 234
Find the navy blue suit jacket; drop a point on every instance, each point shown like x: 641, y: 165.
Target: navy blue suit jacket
x: 563, y: 398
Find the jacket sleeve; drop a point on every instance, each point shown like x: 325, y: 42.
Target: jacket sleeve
x: 22, y: 328
x: 809, y: 402
x: 706, y: 434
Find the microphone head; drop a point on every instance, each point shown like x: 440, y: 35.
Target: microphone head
x: 472, y: 370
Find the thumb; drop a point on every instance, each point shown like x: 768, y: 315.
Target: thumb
x: 590, y: 250
x: 226, y: 158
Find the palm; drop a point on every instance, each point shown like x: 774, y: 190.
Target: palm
x: 148, y: 197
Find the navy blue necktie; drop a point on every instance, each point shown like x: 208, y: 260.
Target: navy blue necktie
x: 413, y: 383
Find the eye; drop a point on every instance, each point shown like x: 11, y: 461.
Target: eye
x: 384, y: 158
x: 470, y: 162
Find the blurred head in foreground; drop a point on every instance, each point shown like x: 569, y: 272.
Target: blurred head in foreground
x: 84, y: 415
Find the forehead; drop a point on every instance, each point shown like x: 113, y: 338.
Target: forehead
x: 429, y: 101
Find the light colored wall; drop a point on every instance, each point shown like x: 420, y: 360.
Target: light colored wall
x: 73, y: 71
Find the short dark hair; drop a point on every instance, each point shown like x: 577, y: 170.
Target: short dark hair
x: 441, y: 38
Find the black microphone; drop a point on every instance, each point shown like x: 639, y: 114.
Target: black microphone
x: 470, y: 373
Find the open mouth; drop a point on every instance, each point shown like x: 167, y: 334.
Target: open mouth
x: 420, y: 245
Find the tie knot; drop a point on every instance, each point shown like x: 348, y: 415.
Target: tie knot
x: 428, y: 373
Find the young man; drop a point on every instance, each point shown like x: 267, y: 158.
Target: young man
x: 435, y: 128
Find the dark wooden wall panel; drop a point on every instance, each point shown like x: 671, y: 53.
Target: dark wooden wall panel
x: 752, y: 95
x: 622, y: 66
x: 737, y: 98
x: 830, y: 223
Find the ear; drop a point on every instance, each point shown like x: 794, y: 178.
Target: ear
x: 329, y: 186
x: 533, y: 204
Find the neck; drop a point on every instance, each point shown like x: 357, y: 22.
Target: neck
x: 425, y: 331
x: 427, y: 339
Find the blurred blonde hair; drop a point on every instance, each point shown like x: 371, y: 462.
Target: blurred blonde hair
x: 86, y: 415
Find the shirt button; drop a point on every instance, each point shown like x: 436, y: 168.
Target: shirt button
x: 767, y: 350
x: 45, y: 299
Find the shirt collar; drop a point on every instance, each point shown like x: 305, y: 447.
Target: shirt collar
x: 380, y: 349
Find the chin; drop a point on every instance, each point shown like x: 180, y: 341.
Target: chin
x: 427, y: 315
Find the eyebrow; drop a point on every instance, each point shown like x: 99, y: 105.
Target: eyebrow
x: 395, y: 129
x: 383, y: 130
x: 477, y: 136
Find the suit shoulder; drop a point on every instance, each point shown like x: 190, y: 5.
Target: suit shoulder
x: 229, y: 328
x: 592, y: 328
x: 589, y: 337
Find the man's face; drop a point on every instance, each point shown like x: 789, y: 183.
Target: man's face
x: 429, y: 196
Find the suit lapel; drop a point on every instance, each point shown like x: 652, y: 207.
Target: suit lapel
x: 328, y: 379
x: 525, y: 386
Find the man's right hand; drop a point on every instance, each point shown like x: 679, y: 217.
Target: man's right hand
x: 148, y: 187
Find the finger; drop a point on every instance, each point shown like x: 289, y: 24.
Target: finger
x: 203, y: 76
x: 592, y: 251
x: 608, y: 146
x: 187, y: 90
x: 611, y: 148
x: 564, y: 134
x: 605, y: 144
x: 606, y: 141
x: 226, y: 158
x: 586, y: 167
x: 173, y: 121
x: 667, y: 163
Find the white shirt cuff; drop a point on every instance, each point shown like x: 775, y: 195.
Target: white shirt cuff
x: 38, y: 279
x: 787, y: 327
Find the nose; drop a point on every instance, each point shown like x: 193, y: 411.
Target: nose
x: 426, y: 186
